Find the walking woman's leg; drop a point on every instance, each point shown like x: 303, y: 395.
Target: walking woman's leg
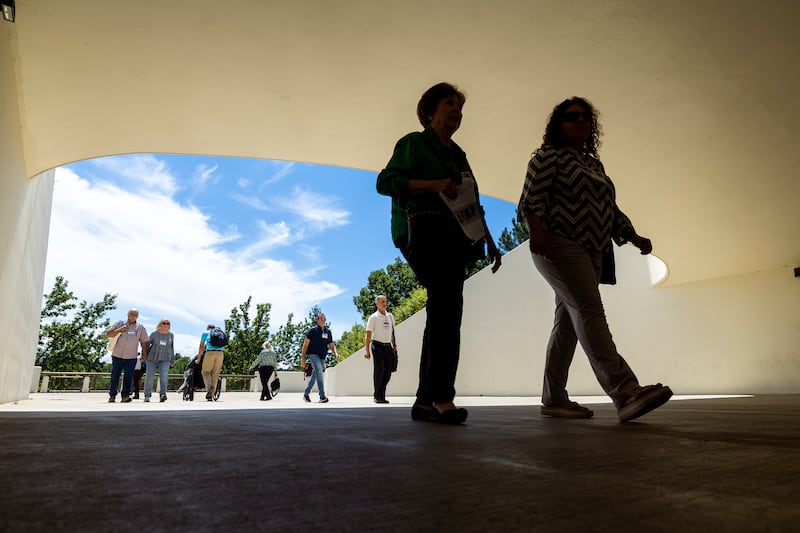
x: 573, y: 273
x: 560, y: 351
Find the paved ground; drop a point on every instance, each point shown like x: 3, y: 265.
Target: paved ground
x: 98, y: 402
x: 73, y: 462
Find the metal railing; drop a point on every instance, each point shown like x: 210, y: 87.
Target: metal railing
x: 99, y: 381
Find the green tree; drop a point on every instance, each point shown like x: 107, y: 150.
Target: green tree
x: 415, y: 302
x: 351, y: 341
x: 288, y: 341
x: 397, y: 281
x: 181, y: 362
x: 72, y: 335
x: 245, y: 336
x: 511, y: 239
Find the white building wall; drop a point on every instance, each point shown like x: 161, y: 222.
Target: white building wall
x: 24, y: 225
x: 738, y: 334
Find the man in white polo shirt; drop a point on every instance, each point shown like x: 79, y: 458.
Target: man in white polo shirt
x: 381, y: 342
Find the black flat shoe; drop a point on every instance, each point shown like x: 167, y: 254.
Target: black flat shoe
x: 453, y: 416
x: 420, y: 414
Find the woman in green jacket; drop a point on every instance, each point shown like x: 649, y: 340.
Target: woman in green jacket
x: 439, y: 227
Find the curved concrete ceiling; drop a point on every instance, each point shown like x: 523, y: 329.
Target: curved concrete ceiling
x: 697, y: 97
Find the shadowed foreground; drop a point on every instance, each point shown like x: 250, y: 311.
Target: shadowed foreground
x: 693, y: 465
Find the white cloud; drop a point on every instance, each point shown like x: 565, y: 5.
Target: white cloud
x: 271, y: 236
x: 141, y: 172
x: 204, y: 174
x: 320, y: 211
x: 285, y: 168
x: 250, y: 201
x: 166, y: 259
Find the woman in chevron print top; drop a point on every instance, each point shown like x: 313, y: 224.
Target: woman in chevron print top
x: 569, y: 206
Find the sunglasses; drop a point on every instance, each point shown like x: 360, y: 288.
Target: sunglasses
x: 573, y: 116
x: 164, y: 324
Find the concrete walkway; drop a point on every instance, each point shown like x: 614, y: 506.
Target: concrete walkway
x: 73, y: 462
x: 98, y: 402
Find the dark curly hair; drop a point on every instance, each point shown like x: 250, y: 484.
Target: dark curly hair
x: 552, y: 134
x: 431, y: 98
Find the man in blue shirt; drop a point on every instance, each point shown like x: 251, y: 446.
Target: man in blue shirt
x: 210, y: 357
x: 318, y: 340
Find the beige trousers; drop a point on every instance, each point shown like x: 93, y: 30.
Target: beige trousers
x: 212, y: 366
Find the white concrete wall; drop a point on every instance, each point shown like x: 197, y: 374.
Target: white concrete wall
x: 24, y: 225
x: 738, y: 334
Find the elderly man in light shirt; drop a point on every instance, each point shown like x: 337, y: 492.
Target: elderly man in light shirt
x: 130, y: 335
x: 381, y: 342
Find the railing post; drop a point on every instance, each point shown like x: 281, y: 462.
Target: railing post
x: 86, y: 383
x: 224, y: 385
x: 45, y: 384
x: 253, y: 384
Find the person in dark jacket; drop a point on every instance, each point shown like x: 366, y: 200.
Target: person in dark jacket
x: 439, y: 226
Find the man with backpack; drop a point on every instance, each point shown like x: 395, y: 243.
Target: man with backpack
x: 210, y: 355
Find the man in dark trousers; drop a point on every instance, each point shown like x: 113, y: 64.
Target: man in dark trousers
x: 381, y: 342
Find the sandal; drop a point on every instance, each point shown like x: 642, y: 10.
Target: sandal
x: 643, y: 400
x: 567, y: 410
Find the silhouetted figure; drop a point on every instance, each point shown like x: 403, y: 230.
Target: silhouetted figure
x: 569, y: 205
x: 438, y: 225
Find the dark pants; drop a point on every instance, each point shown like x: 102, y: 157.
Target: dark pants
x: 137, y: 380
x: 118, y: 365
x: 437, y: 253
x: 382, y: 360
x: 265, y: 372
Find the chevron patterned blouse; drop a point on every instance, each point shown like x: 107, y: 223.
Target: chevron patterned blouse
x: 572, y: 195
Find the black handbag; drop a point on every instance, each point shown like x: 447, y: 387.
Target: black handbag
x: 275, y: 386
x: 395, y: 360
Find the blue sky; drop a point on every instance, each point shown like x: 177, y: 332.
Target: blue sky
x: 190, y: 237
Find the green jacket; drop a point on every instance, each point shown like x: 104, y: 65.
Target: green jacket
x: 418, y: 155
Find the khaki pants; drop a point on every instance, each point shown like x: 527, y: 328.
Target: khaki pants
x: 574, y: 272
x: 212, y: 366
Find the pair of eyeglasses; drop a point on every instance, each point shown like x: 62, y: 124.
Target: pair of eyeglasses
x: 573, y: 116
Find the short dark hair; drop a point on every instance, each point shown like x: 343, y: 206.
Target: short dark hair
x: 431, y: 98
x: 552, y: 133
x: 211, y: 326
